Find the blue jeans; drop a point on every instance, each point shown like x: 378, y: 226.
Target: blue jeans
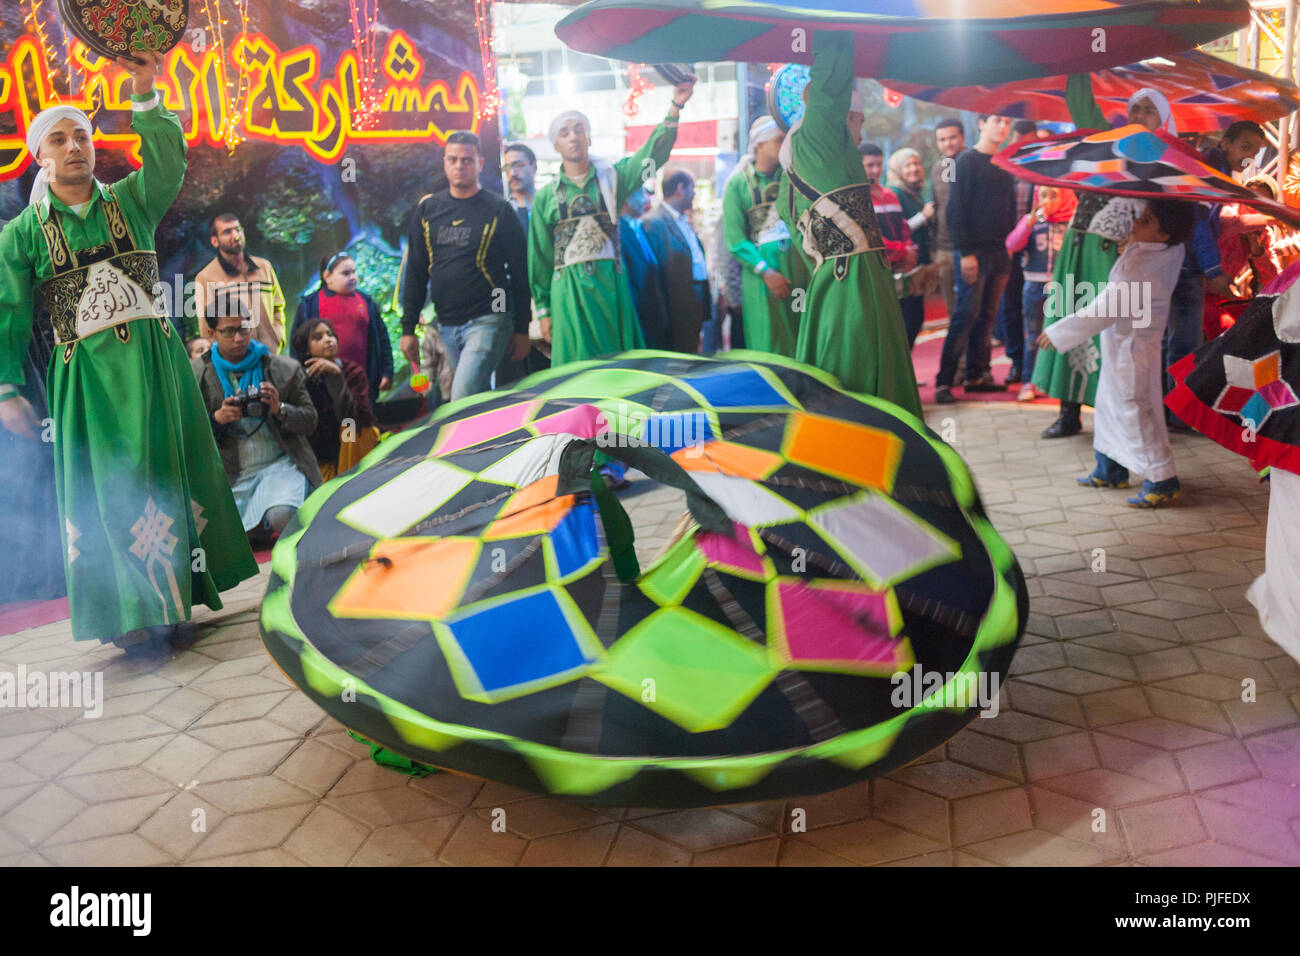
x: 1032, y: 302
x: 1009, y: 326
x: 1108, y: 469
x: 474, y: 348
x: 972, y: 320
x: 1185, y: 330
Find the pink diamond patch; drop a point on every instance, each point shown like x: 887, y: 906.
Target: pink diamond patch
x: 731, y: 554
x: 846, y: 627
x: 585, y: 421
x: 1279, y: 395
x: 471, y: 431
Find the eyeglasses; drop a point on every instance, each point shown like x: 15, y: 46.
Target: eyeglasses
x: 518, y: 164
x: 230, y: 333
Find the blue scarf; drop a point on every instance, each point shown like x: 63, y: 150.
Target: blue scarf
x: 249, y: 368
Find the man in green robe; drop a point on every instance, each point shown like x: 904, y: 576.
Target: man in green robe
x: 851, y: 326
x: 758, y: 236
x: 149, y: 524
x: 580, y: 291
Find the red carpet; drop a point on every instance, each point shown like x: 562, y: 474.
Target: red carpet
x: 22, y: 615
x: 929, y: 348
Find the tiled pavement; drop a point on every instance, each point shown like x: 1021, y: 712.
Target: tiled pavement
x: 1122, y: 738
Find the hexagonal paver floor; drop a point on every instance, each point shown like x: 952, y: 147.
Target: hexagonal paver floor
x: 1123, y: 734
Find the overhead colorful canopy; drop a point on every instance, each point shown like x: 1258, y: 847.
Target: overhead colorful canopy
x: 932, y: 42
x: 1131, y: 161
x: 1205, y: 93
x: 471, y: 599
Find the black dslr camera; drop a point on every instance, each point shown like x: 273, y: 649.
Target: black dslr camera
x: 250, y: 402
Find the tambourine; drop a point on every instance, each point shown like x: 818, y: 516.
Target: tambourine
x: 675, y: 73
x: 785, y: 94
x: 114, y: 28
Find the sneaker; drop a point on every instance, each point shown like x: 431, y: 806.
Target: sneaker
x: 1028, y: 393
x: 1156, y: 493
x: 1096, y: 481
x: 983, y: 384
x: 1013, y: 377
x: 943, y: 395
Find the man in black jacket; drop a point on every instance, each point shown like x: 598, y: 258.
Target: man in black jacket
x: 981, y: 213
x: 468, y: 242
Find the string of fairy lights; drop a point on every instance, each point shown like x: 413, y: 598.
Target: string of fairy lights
x: 34, y: 18
x: 234, y: 91
x: 364, y: 15
x: 491, y: 102
x: 637, y: 86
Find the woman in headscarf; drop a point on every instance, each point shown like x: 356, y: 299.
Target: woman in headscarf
x: 1089, y: 249
x: 907, y: 180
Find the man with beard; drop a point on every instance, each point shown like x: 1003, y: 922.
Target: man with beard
x: 234, y: 273
x: 149, y: 524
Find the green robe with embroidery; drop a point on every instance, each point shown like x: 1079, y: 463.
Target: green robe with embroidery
x: 1073, y: 376
x: 852, y: 326
x: 771, y: 324
x: 590, y: 304
x: 149, y: 523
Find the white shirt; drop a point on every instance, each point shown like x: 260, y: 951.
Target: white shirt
x: 699, y: 265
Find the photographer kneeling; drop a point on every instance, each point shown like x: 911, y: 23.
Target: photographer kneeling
x: 261, y: 415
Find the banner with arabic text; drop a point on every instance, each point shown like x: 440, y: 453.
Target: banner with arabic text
x: 320, y: 126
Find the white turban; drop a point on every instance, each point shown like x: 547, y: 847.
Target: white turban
x: 1162, y: 107
x: 761, y: 130
x: 565, y: 117
x: 41, y: 124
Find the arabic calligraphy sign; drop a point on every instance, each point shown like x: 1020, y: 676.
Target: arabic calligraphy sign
x: 293, y: 99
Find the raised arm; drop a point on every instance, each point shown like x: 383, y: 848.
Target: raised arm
x: 157, y: 183
x: 824, y: 131
x: 1082, y: 104
x: 642, y: 165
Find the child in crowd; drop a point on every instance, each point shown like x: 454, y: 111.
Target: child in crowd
x: 1039, y: 233
x: 346, y: 429
x: 1130, y: 312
